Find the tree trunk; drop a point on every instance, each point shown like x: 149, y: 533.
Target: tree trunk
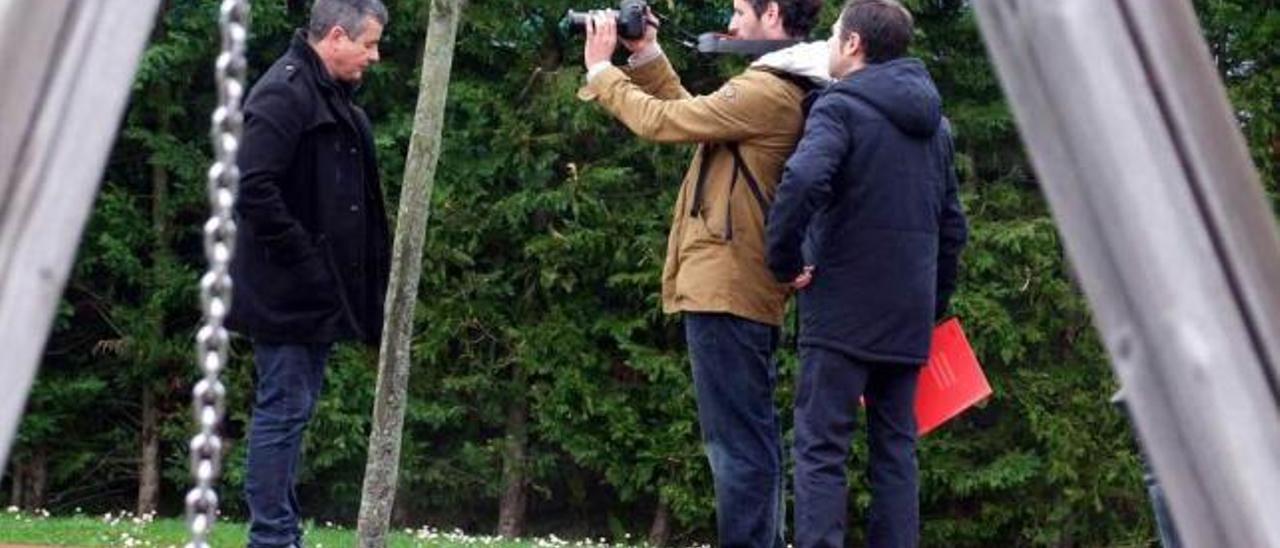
x: 660, y: 530
x: 18, y: 476
x: 1275, y: 149
x: 149, y: 463
x: 383, y: 464
x: 149, y: 457
x: 515, y: 495
x: 37, y: 479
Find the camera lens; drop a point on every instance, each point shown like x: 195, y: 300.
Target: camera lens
x: 630, y: 16
x: 574, y: 22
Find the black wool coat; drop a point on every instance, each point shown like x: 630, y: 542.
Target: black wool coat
x: 313, y: 250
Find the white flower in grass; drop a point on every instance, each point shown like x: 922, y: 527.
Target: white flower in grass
x: 12, y: 509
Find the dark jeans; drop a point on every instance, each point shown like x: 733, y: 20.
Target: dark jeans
x: 825, y: 412
x: 290, y: 378
x: 1164, y: 520
x: 735, y: 375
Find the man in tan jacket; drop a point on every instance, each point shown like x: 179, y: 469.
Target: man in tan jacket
x: 715, y: 273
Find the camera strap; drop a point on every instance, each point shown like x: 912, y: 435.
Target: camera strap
x: 716, y: 43
x: 704, y: 162
x: 739, y: 168
x: 740, y: 165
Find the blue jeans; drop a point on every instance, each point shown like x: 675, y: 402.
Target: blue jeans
x: 826, y: 409
x: 290, y: 377
x: 734, y: 375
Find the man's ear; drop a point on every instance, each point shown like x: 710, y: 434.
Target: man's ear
x: 772, y: 13
x: 852, y: 45
x: 335, y: 32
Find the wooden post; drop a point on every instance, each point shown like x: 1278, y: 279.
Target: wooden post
x: 1163, y: 215
x: 383, y: 464
x: 61, y: 102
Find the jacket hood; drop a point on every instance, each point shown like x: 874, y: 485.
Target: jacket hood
x: 901, y: 90
x: 806, y: 59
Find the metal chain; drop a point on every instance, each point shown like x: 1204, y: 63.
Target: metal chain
x: 212, y: 341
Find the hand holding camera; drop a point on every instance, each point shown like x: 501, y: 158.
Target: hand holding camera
x: 648, y: 38
x: 631, y: 18
x: 602, y: 39
x: 632, y: 22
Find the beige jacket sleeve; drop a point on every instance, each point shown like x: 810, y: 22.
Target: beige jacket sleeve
x: 738, y: 111
x: 659, y: 79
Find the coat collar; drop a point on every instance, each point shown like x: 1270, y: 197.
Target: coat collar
x: 307, y: 55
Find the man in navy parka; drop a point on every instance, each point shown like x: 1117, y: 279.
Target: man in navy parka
x: 867, y: 226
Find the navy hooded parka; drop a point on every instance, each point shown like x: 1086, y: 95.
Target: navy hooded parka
x: 870, y: 200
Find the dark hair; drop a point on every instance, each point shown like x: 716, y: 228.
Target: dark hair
x: 884, y: 26
x: 348, y: 14
x: 798, y: 16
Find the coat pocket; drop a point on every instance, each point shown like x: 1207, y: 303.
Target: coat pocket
x: 302, y: 287
x: 698, y: 234
x: 340, y: 289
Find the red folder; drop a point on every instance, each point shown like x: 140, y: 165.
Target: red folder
x: 952, y: 381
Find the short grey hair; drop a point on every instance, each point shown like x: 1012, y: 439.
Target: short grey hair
x: 348, y: 14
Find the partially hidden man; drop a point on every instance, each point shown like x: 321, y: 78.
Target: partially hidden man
x: 868, y: 225
x: 715, y: 273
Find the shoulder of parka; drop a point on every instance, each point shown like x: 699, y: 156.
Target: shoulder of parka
x: 856, y: 109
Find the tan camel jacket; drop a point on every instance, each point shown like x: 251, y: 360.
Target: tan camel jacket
x: 715, y: 251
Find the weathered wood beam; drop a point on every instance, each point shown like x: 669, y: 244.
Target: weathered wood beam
x: 61, y: 102
x: 1164, y: 218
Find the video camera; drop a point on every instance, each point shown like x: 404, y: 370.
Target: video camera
x: 632, y: 17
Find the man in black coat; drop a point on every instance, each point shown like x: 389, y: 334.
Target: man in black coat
x: 868, y: 226
x: 312, y: 253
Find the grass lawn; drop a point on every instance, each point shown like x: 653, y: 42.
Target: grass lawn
x: 17, y: 528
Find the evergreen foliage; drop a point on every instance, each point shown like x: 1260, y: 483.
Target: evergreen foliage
x: 540, y: 295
